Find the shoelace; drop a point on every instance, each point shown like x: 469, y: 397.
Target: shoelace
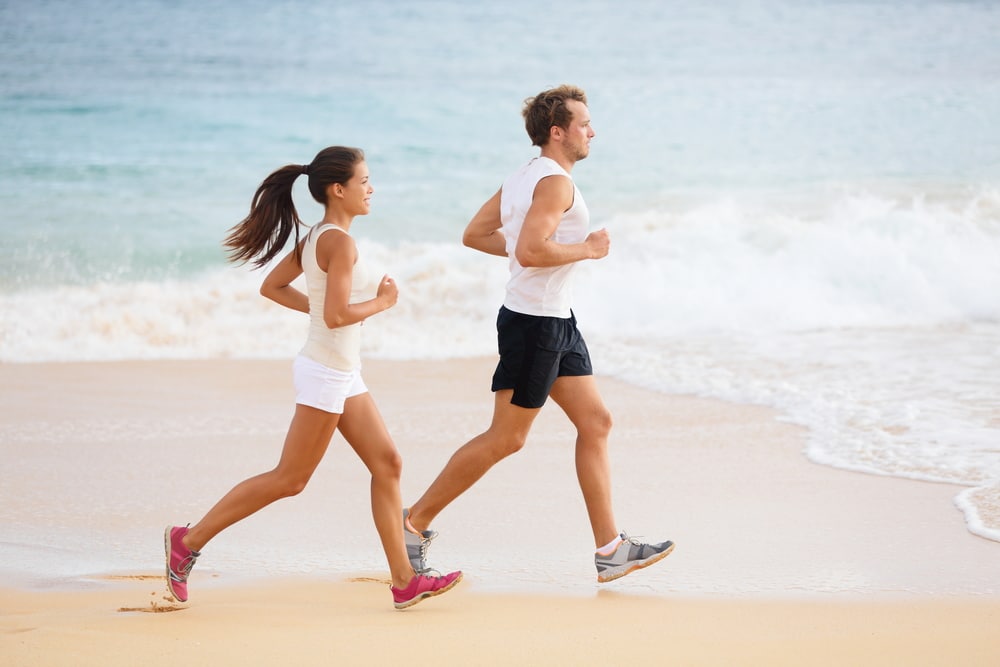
x: 425, y: 543
x: 184, y: 567
x: 631, y: 540
x: 644, y: 548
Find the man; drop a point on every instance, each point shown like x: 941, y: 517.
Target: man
x: 539, y: 220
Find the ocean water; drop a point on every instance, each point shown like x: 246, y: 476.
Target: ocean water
x: 803, y: 197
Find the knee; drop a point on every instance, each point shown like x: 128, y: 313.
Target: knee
x: 388, y: 466
x: 508, y: 443
x: 598, y: 424
x: 287, y: 485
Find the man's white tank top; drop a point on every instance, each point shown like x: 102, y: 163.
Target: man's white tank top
x: 545, y: 291
x: 338, y: 348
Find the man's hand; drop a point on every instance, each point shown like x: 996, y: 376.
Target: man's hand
x: 599, y: 243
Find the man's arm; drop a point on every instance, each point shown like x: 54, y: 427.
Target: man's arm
x: 483, y: 233
x: 553, y: 196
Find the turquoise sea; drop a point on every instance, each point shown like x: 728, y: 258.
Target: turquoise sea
x: 803, y: 196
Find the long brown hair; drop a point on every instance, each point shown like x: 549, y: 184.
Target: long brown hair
x: 273, y: 218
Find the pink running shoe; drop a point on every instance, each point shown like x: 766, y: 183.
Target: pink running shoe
x: 180, y: 560
x: 423, y: 586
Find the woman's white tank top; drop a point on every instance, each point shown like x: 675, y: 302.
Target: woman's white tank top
x: 338, y: 348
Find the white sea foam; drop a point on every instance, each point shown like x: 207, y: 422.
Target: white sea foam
x: 778, y: 263
x: 728, y: 265
x: 449, y: 299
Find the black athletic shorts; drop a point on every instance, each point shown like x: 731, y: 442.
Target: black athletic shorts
x: 534, y: 351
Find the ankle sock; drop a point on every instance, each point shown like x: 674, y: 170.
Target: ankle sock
x: 610, y: 547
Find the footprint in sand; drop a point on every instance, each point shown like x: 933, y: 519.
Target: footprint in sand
x: 131, y: 577
x: 371, y: 580
x: 154, y: 607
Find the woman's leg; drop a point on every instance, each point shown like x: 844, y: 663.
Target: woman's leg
x: 308, y: 437
x: 363, y: 428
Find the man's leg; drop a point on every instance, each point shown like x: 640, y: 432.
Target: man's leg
x: 580, y: 399
x: 506, y: 435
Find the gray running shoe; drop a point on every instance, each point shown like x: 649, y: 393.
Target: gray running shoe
x: 417, y: 545
x: 631, y: 555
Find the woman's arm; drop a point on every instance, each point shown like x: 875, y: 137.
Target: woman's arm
x: 277, y: 284
x: 336, y: 254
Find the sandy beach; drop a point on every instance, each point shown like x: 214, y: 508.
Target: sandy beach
x: 778, y: 562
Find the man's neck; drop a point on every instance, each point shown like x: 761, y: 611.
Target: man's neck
x: 554, y: 154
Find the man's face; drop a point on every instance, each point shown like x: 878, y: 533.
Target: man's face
x: 576, y: 143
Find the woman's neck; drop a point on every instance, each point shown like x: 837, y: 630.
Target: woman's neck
x: 337, y: 218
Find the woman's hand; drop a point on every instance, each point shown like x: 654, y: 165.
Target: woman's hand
x: 388, y: 292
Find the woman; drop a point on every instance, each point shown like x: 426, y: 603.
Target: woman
x: 330, y: 393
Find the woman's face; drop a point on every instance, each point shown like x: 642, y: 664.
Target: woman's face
x: 356, y: 193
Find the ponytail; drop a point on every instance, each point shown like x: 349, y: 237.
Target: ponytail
x: 272, y: 219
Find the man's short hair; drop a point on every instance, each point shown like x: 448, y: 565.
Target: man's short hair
x: 548, y: 109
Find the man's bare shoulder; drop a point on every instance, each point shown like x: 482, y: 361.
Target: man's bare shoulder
x: 554, y: 190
